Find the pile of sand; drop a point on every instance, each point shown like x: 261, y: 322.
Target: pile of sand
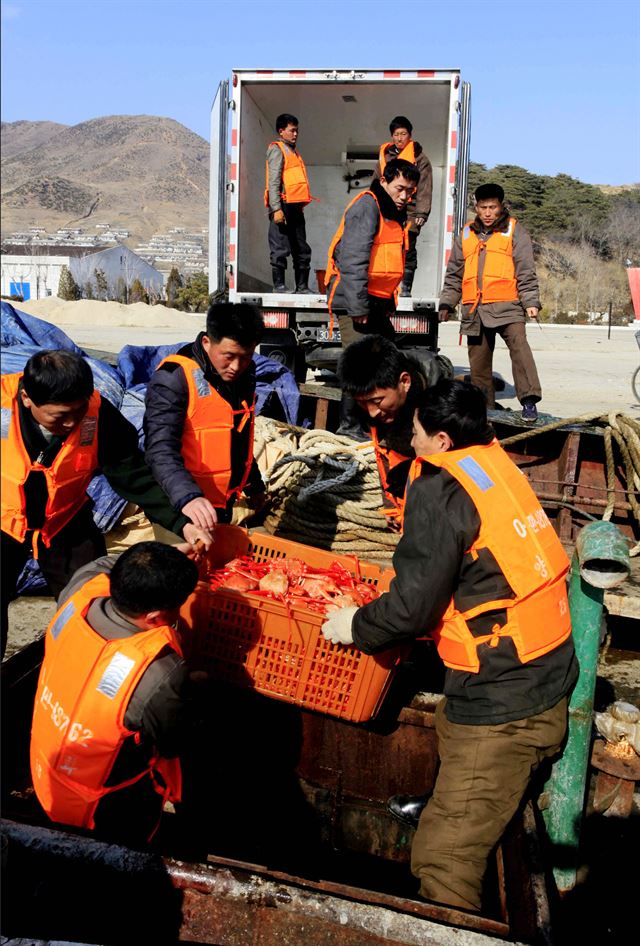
x: 111, y: 314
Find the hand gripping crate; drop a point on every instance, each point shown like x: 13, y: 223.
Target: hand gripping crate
x: 251, y: 641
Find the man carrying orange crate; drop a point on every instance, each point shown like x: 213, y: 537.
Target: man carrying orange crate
x: 481, y: 570
x: 199, y: 418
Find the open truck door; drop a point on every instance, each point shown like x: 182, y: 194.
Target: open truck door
x: 462, y: 170
x: 218, y: 189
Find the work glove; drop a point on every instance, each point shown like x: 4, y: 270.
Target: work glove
x: 443, y: 315
x: 413, y: 226
x: 278, y: 217
x: 337, y: 627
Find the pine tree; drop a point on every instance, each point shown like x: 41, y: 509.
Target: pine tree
x: 102, y: 286
x: 138, y: 293
x: 174, y: 284
x: 194, y: 295
x: 68, y: 288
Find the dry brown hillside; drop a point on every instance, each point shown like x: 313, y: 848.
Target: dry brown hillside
x: 135, y: 171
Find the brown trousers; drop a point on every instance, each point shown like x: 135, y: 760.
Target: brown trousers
x: 525, y: 375
x: 484, y: 773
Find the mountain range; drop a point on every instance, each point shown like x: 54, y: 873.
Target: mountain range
x: 139, y: 172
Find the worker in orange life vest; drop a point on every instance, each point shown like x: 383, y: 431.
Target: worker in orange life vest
x: 365, y: 265
x: 286, y: 195
x: 481, y: 570
x: 492, y: 270
x: 403, y: 146
x: 385, y: 383
x: 57, y: 432
x: 115, y: 703
x: 199, y: 418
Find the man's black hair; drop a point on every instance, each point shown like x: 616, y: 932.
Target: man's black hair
x: 151, y: 576
x: 489, y: 192
x: 57, y: 377
x: 286, y: 119
x: 369, y: 363
x: 239, y: 321
x: 398, y: 167
x: 458, y: 408
x: 400, y: 121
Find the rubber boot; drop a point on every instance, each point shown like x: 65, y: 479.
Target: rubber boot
x: 407, y: 284
x: 408, y: 808
x: 277, y: 275
x: 302, y: 282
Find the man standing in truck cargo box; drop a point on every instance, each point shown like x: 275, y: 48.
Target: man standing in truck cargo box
x: 492, y: 270
x: 286, y: 195
x: 367, y: 254
x: 199, y: 418
x: 57, y: 432
x: 403, y: 146
x: 480, y: 569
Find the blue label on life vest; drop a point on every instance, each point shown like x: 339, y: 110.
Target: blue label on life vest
x: 473, y: 470
x: 201, y: 383
x: 5, y: 421
x: 67, y: 612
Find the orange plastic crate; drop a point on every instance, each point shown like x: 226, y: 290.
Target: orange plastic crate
x: 258, y: 642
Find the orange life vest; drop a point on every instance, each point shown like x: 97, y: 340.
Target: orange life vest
x: 498, y: 274
x: 386, y: 262
x: 408, y: 153
x: 386, y: 460
x: 516, y: 530
x: 78, y: 729
x: 67, y: 478
x: 295, y: 183
x: 209, y: 426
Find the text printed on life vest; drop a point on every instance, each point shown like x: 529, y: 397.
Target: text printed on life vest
x: 77, y: 732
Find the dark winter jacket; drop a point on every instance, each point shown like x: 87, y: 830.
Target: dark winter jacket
x: 166, y: 407
x: 493, y: 314
x: 353, y: 252
x: 432, y: 565
x: 165, y: 709
x: 119, y: 459
x: 420, y: 205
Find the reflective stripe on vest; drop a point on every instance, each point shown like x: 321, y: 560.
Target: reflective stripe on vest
x: 386, y: 262
x: 386, y: 460
x: 498, y: 275
x: 209, y: 426
x: 295, y: 183
x: 84, y: 688
x: 515, y: 529
x: 408, y: 153
x: 67, y: 478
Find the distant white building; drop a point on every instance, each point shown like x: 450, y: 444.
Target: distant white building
x: 33, y: 271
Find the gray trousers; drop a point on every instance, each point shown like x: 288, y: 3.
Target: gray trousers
x: 484, y: 773
x: 525, y: 375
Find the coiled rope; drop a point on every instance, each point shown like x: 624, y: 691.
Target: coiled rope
x: 324, y: 490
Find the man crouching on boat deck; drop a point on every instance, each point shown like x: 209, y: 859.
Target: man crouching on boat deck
x: 115, y: 702
x: 480, y: 569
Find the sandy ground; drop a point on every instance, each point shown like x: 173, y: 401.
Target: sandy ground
x: 581, y: 369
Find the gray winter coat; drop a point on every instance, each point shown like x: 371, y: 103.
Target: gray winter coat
x: 493, y: 314
x: 353, y: 252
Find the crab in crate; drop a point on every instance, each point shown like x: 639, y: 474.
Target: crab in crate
x: 292, y: 581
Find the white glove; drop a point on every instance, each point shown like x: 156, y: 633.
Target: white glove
x: 337, y: 627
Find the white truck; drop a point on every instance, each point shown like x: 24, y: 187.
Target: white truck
x: 344, y: 117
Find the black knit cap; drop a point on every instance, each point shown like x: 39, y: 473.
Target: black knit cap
x: 488, y: 192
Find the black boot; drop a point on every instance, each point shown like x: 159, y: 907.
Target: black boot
x: 407, y: 284
x: 277, y: 275
x: 302, y: 282
x: 407, y: 808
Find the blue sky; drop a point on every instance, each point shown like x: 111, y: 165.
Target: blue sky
x: 555, y: 83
